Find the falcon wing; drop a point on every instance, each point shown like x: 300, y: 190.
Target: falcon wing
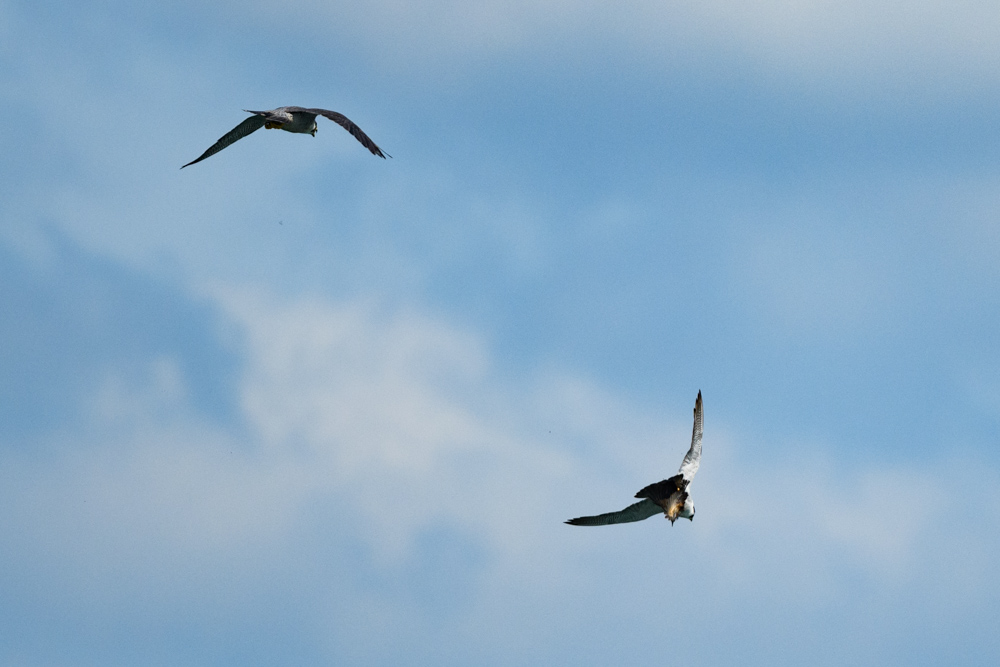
x: 637, y: 512
x: 250, y: 125
x: 663, y: 490
x: 693, y: 458
x: 345, y: 122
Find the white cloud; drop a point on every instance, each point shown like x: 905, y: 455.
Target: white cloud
x: 368, y: 428
x: 408, y: 414
x: 400, y: 420
x: 860, y: 40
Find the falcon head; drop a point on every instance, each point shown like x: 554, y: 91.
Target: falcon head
x: 687, y: 512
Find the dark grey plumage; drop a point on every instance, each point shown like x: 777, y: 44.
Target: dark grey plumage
x: 637, y: 512
x: 298, y: 120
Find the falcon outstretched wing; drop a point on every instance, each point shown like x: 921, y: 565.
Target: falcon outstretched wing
x: 250, y: 125
x: 347, y: 124
x: 637, y: 512
x: 693, y: 458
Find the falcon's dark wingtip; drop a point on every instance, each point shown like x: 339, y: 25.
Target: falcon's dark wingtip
x: 194, y: 162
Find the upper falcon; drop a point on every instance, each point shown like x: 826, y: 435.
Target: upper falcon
x: 289, y: 119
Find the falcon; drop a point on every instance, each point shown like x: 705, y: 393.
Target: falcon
x: 669, y: 496
x: 289, y: 119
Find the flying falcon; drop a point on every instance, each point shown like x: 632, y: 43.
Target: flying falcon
x: 289, y: 119
x: 669, y: 496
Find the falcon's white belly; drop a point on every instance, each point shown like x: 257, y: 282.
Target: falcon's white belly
x: 300, y: 124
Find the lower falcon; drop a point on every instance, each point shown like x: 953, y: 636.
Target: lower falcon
x: 669, y: 496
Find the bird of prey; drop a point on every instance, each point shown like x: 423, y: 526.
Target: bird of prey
x: 669, y: 496
x: 289, y: 119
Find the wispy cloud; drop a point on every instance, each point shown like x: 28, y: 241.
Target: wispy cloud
x: 392, y: 433
x: 867, y: 42
x: 358, y: 440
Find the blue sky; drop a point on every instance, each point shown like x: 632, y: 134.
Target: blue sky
x: 298, y: 405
